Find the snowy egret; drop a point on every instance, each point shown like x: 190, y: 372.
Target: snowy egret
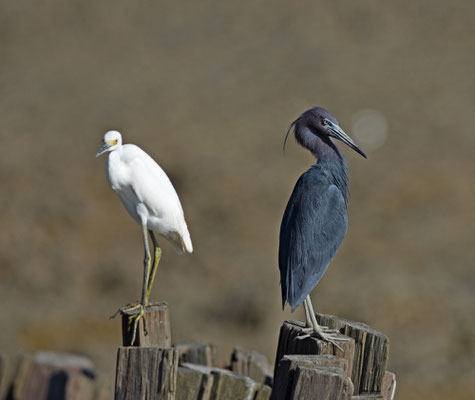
x: 150, y: 198
x: 315, y: 219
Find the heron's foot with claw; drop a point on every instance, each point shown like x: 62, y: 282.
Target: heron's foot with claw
x: 324, y: 329
x: 326, y: 334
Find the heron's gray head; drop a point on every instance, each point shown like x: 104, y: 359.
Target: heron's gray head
x: 321, y: 122
x: 112, y: 140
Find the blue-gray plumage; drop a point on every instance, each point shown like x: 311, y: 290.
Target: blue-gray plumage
x: 315, y: 219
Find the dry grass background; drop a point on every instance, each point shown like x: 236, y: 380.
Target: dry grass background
x: 208, y: 88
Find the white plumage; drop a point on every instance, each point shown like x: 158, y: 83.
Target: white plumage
x: 146, y: 191
x: 151, y: 200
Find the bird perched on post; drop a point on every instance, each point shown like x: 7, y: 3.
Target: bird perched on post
x: 151, y: 200
x: 315, y: 219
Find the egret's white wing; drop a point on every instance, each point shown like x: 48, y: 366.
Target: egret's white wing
x: 153, y: 188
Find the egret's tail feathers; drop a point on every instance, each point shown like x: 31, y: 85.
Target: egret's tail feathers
x: 181, y: 241
x: 186, y: 242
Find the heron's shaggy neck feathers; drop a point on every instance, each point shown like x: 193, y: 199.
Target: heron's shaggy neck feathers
x: 330, y: 159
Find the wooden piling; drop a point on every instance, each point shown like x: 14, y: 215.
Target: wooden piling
x: 251, y: 364
x: 366, y: 353
x: 300, y: 377
x: 8, y: 366
x: 196, y: 353
x: 52, y: 375
x: 292, y: 340
x: 389, y: 386
x: 371, y: 352
x: 198, y: 382
x: 194, y: 382
x: 147, y: 368
x: 157, y: 323
x: 146, y: 373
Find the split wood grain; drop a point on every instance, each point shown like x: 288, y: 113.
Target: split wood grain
x: 371, y: 352
x: 198, y: 382
x: 51, y: 375
x: 292, y: 340
x: 157, y: 322
x: 389, y: 386
x: 251, y: 364
x: 196, y: 353
x: 146, y: 373
x: 312, y: 377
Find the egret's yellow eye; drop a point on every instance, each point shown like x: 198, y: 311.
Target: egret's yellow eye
x: 112, y: 142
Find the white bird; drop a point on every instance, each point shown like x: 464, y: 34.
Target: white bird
x: 150, y: 198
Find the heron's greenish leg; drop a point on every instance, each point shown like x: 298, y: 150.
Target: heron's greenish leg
x: 156, y: 259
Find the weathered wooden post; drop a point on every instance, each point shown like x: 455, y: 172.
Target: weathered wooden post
x: 366, y: 352
x: 148, y: 369
x: 371, y: 352
x: 198, y: 382
x: 147, y: 373
x: 251, y: 364
x: 196, y: 353
x: 300, y: 377
x: 51, y: 375
x: 6, y: 374
x: 157, y: 322
x: 293, y: 340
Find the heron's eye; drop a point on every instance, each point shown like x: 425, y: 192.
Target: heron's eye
x: 324, y: 122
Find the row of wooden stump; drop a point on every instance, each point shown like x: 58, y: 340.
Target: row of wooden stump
x: 305, y: 368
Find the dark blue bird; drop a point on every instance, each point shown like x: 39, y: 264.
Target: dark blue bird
x: 315, y: 219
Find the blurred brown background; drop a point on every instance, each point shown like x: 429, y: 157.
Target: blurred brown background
x: 209, y: 88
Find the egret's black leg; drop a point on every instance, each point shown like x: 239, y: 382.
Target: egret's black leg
x: 157, y: 251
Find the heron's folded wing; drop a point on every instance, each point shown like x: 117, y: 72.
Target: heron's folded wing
x: 312, y: 229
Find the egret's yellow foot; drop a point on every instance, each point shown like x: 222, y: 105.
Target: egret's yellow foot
x: 135, y: 320
x: 129, y: 307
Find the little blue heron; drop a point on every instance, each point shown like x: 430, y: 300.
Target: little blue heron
x: 150, y: 198
x: 315, y: 219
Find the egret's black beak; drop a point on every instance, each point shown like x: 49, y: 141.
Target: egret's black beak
x: 103, y: 149
x: 335, y: 131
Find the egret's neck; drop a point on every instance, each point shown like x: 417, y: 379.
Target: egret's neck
x: 114, y: 158
x: 116, y: 152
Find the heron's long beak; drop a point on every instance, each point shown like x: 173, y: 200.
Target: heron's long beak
x: 103, y: 149
x: 335, y: 131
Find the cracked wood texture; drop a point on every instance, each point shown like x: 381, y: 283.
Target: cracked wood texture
x: 251, y: 364
x: 371, y: 353
x: 301, y: 377
x: 157, y: 321
x: 198, y: 382
x: 53, y: 375
x: 291, y: 342
x: 196, y: 353
x: 146, y: 373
